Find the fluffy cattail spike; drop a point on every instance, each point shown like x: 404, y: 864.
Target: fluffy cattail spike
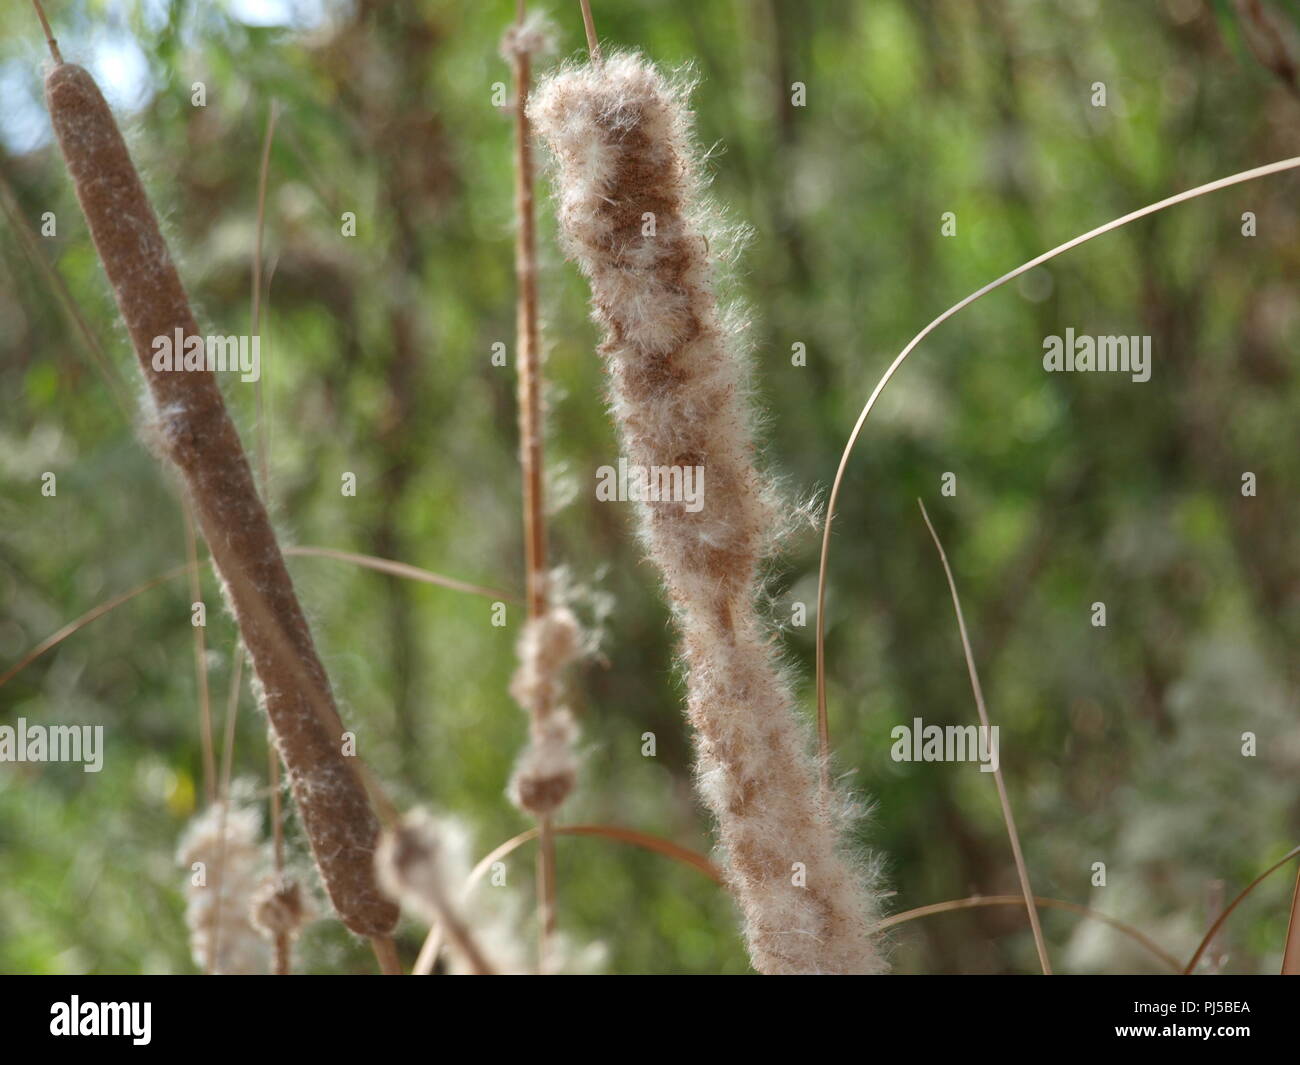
x: 196, y: 433
x: 632, y: 216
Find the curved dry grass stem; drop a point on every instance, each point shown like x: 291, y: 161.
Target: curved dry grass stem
x: 1022, y: 870
x: 433, y: 942
x: 1227, y: 911
x: 200, y: 661
x: 63, y: 296
x: 382, y: 565
x: 402, y: 569
x: 589, y: 25
x: 93, y: 614
x: 976, y: 901
x: 1291, y: 951
x: 823, y: 728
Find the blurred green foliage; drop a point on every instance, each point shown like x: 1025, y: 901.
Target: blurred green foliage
x: 1121, y: 745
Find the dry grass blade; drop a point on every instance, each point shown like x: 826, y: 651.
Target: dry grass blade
x: 382, y: 565
x: 403, y: 569
x: 1022, y: 870
x: 1227, y: 912
x: 1053, y: 904
x: 93, y: 614
x: 823, y: 727
x: 1291, y: 952
x: 433, y: 942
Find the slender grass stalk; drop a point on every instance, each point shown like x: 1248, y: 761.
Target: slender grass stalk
x: 1267, y: 170
x: 1291, y: 950
x: 977, y: 901
x: 1208, y: 938
x: 1022, y: 871
x: 381, y: 565
x: 646, y: 841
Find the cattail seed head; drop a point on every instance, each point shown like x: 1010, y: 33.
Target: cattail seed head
x: 633, y: 217
x: 196, y: 433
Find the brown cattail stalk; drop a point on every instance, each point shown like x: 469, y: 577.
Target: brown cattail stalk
x: 547, y: 770
x: 195, y: 433
x: 632, y: 216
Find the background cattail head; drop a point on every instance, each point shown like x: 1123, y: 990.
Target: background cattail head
x: 279, y: 907
x: 225, y: 842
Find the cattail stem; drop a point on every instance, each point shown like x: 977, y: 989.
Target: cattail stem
x: 49, y: 33
x: 196, y: 433
x: 589, y: 25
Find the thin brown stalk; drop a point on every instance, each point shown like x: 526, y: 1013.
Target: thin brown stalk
x: 227, y: 764
x: 386, y: 954
x: 255, y: 315
x: 823, y: 728
x: 1227, y: 912
x: 589, y: 25
x: 531, y: 434
x: 403, y: 569
x: 1022, y: 870
x: 93, y: 614
x: 383, y: 565
x: 49, y: 33
x: 1291, y: 952
x: 976, y: 901
x: 31, y: 245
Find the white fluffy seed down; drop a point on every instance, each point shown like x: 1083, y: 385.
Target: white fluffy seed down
x: 633, y: 217
x: 219, y: 905
x: 547, y: 769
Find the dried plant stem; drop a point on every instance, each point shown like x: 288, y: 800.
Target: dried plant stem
x: 196, y: 433
x: 200, y: 662
x: 227, y: 765
x: 657, y: 844
x: 1022, y: 870
x: 386, y: 954
x: 31, y: 245
x: 49, y: 33
x: 589, y: 25
x: 255, y: 314
x: 823, y: 728
x: 1208, y: 938
x: 528, y: 346
x: 977, y: 901
x: 403, y: 569
x: 1291, y: 951
x: 382, y: 565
